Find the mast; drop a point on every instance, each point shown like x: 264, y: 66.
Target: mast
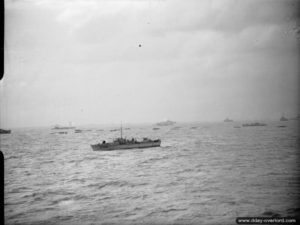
x: 121, y: 130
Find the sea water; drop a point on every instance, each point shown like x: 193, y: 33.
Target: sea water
x: 203, y: 173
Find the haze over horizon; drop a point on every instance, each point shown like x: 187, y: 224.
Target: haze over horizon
x: 102, y: 62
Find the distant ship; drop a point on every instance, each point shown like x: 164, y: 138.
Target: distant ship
x: 113, y: 130
x: 58, y: 127
x: 282, y: 118
x: 228, y: 120
x: 2, y: 131
x: 123, y: 143
x: 166, y: 123
x: 254, y: 124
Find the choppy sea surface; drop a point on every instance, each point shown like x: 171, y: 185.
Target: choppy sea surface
x: 203, y: 173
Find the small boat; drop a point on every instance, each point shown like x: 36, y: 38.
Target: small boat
x: 254, y: 124
x: 63, y: 132
x: 58, y: 127
x: 113, y: 130
x: 283, y: 118
x: 78, y: 131
x: 166, y: 123
x: 123, y: 143
x: 281, y: 126
x: 155, y: 128
x: 2, y: 131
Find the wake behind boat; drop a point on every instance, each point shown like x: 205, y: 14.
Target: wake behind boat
x: 123, y: 143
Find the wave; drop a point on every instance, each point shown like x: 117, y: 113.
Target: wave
x: 80, y: 180
x: 14, y: 203
x: 115, y: 184
x: 48, y: 162
x: 165, y: 211
x: 155, y: 159
x: 293, y: 211
x: 12, y: 157
x: 271, y: 214
x: 19, y: 190
x: 111, y: 184
x: 172, y: 209
x: 38, y: 196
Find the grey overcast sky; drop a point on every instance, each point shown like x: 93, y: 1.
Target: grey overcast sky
x: 106, y: 61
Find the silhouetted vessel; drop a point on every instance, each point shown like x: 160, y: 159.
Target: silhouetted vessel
x: 254, y: 124
x: 2, y: 131
x: 123, y: 143
x: 166, y: 123
x: 58, y: 127
x: 113, y: 130
x: 282, y: 118
x: 228, y: 120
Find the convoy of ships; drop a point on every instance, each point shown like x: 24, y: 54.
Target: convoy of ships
x: 122, y: 143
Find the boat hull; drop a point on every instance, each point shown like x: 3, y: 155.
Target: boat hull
x: 108, y: 147
x: 5, y: 131
x: 63, y: 128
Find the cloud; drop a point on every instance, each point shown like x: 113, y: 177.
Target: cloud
x: 185, y: 60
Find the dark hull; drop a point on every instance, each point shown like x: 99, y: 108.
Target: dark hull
x: 63, y: 128
x: 254, y: 125
x: 5, y: 131
x: 110, y: 147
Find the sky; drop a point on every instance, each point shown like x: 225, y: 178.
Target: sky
x: 144, y: 61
